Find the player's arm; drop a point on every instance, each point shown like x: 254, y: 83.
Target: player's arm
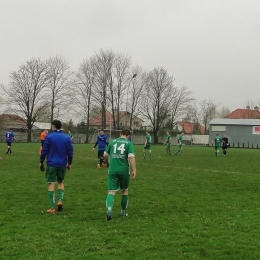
x: 70, y: 155
x: 131, y: 158
x: 96, y: 143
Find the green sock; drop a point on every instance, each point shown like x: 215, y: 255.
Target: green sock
x: 109, y: 202
x: 51, y: 197
x: 124, y: 202
x: 144, y: 155
x: 60, y: 195
x: 150, y: 155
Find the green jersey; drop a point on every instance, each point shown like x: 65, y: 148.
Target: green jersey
x: 119, y: 150
x: 217, y: 140
x: 180, y: 140
x: 168, y: 138
x: 148, y: 137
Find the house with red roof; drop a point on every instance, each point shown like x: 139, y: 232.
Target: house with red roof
x: 246, y: 113
x: 124, y: 121
x: 190, y: 128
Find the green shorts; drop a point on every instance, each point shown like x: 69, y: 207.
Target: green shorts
x: 168, y: 145
x: 55, y: 174
x: 118, y: 181
x: 148, y: 146
x: 217, y: 147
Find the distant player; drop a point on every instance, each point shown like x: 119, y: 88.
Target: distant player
x: 121, y: 155
x: 70, y: 135
x: 217, y: 144
x: 180, y: 143
x: 9, y: 137
x: 168, y: 143
x: 225, y: 144
x: 147, y: 145
x: 102, y: 142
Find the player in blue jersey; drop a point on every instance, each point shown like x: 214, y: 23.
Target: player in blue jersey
x: 102, y: 142
x: 9, y: 137
x: 58, y: 149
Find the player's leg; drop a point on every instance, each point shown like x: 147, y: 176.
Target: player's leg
x: 178, y: 150
x: 124, y: 184
x: 99, y: 154
x: 113, y: 186
x: 8, y: 147
x: 150, y: 153
x: 51, y: 179
x: 169, y: 149
x: 144, y: 152
x: 60, y: 178
x: 101, y: 157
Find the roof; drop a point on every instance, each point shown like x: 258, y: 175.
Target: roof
x: 188, y: 127
x: 244, y: 114
x: 230, y: 121
x: 98, y: 119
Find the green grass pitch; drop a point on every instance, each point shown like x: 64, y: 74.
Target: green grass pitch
x: 189, y: 206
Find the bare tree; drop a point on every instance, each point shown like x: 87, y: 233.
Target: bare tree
x: 59, y: 86
x: 104, y: 62
x: 118, y: 85
x: 180, y: 104
x: 134, y: 93
x: 84, y: 82
x: 223, y: 112
x: 192, y: 117
x: 25, y: 94
x: 208, y: 112
x: 157, y: 99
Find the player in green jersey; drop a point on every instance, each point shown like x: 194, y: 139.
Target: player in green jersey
x: 180, y: 143
x: 120, y: 152
x: 168, y: 143
x: 147, y: 145
x: 217, y: 144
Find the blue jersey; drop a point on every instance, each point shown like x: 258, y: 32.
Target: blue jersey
x: 102, y: 142
x: 58, y: 149
x: 9, y: 136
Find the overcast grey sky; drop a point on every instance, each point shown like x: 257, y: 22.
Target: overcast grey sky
x: 210, y: 46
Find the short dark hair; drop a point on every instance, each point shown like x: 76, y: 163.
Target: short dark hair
x: 125, y: 132
x: 57, y: 124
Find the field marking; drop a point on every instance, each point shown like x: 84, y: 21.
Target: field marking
x: 192, y: 169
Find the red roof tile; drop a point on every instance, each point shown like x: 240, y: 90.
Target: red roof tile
x: 244, y: 114
x: 188, y: 127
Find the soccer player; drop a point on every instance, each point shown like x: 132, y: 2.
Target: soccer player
x: 102, y: 143
x: 225, y: 144
x: 217, y: 143
x: 147, y: 145
x: 120, y: 152
x: 9, y: 137
x: 42, y: 138
x: 70, y: 135
x: 59, y: 151
x: 180, y: 143
x: 168, y: 143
